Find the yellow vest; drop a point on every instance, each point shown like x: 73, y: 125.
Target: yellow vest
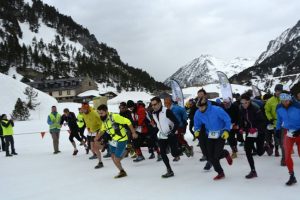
x: 7, y: 130
x: 117, y: 120
x: 80, y: 121
x: 55, y: 121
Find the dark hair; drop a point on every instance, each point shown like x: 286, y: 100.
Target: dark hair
x: 202, y: 90
x: 156, y: 99
x: 246, y: 96
x: 53, y: 106
x: 130, y: 104
x: 123, y: 104
x: 102, y: 107
x: 267, y: 96
x: 66, y: 110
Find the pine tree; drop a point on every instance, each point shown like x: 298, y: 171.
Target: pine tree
x: 21, y: 111
x: 31, y: 97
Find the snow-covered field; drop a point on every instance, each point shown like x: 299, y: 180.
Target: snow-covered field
x: 37, y: 174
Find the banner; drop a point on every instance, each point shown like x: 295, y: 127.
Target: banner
x: 255, y: 91
x: 43, y: 134
x: 177, y: 94
x: 225, y: 87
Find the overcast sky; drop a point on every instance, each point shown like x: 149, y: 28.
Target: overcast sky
x: 160, y: 36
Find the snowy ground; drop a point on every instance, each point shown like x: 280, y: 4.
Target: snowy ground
x: 38, y: 174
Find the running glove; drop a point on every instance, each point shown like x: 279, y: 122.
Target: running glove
x: 225, y: 135
x: 197, y: 134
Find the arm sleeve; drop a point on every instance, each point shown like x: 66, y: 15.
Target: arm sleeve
x: 184, y: 115
x: 225, y: 117
x: 268, y: 110
x: 197, y: 122
x: 49, y: 121
x: 172, y: 117
x: 62, y: 119
x: 4, y: 124
x: 279, y: 120
x: 121, y: 120
x: 142, y: 116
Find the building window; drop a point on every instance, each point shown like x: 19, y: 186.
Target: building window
x: 68, y: 92
x: 90, y: 84
x: 50, y: 93
x: 59, y: 93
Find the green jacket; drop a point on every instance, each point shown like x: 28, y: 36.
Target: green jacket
x: 270, y: 109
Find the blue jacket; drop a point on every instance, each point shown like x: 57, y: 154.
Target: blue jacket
x: 214, y: 119
x: 180, y: 114
x: 288, y: 118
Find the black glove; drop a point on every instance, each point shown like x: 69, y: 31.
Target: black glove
x: 296, y: 133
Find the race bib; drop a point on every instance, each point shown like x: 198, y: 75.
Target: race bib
x: 253, y: 135
x: 290, y: 133
x: 214, y: 134
x: 113, y: 143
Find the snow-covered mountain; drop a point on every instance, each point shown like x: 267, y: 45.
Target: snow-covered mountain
x: 41, y: 43
x: 274, y: 45
x: 280, y: 63
x: 202, y: 70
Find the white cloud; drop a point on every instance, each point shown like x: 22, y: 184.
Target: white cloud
x: 162, y: 35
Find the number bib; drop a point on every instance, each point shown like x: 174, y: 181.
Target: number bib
x: 214, y: 134
x: 253, y: 135
x: 290, y: 133
x: 113, y: 143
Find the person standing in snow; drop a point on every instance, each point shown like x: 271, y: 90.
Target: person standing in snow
x: 113, y: 125
x: 252, y: 121
x: 7, y: 128
x: 181, y: 117
x: 270, y: 110
x: 217, y: 125
x: 54, y: 126
x: 167, y: 124
x: 288, y: 118
x: 233, y: 111
x: 93, y: 125
x: 81, y: 124
x: 1, y: 136
x: 71, y: 120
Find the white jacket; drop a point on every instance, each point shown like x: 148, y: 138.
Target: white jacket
x: 164, y: 124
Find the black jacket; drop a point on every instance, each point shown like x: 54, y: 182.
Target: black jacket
x: 70, y: 119
x: 252, y: 117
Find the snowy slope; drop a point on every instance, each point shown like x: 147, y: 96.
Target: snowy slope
x: 12, y: 89
x: 274, y: 45
x: 202, y: 70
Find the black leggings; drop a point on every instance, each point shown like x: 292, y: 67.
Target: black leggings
x: 74, y: 134
x: 203, y: 143
x: 164, y: 144
x: 232, y: 139
x: 81, y: 133
x: 249, y: 143
x: 191, y: 126
x: 216, y: 152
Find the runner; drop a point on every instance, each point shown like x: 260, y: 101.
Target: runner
x: 113, y: 124
x: 54, y: 126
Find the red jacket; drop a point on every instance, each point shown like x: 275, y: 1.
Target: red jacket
x: 139, y: 118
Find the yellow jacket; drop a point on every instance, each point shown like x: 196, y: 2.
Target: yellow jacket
x: 92, y: 121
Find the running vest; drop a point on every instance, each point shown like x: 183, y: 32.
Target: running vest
x: 55, y: 120
x: 164, y: 124
x: 116, y: 131
x: 80, y: 121
x: 7, y: 130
